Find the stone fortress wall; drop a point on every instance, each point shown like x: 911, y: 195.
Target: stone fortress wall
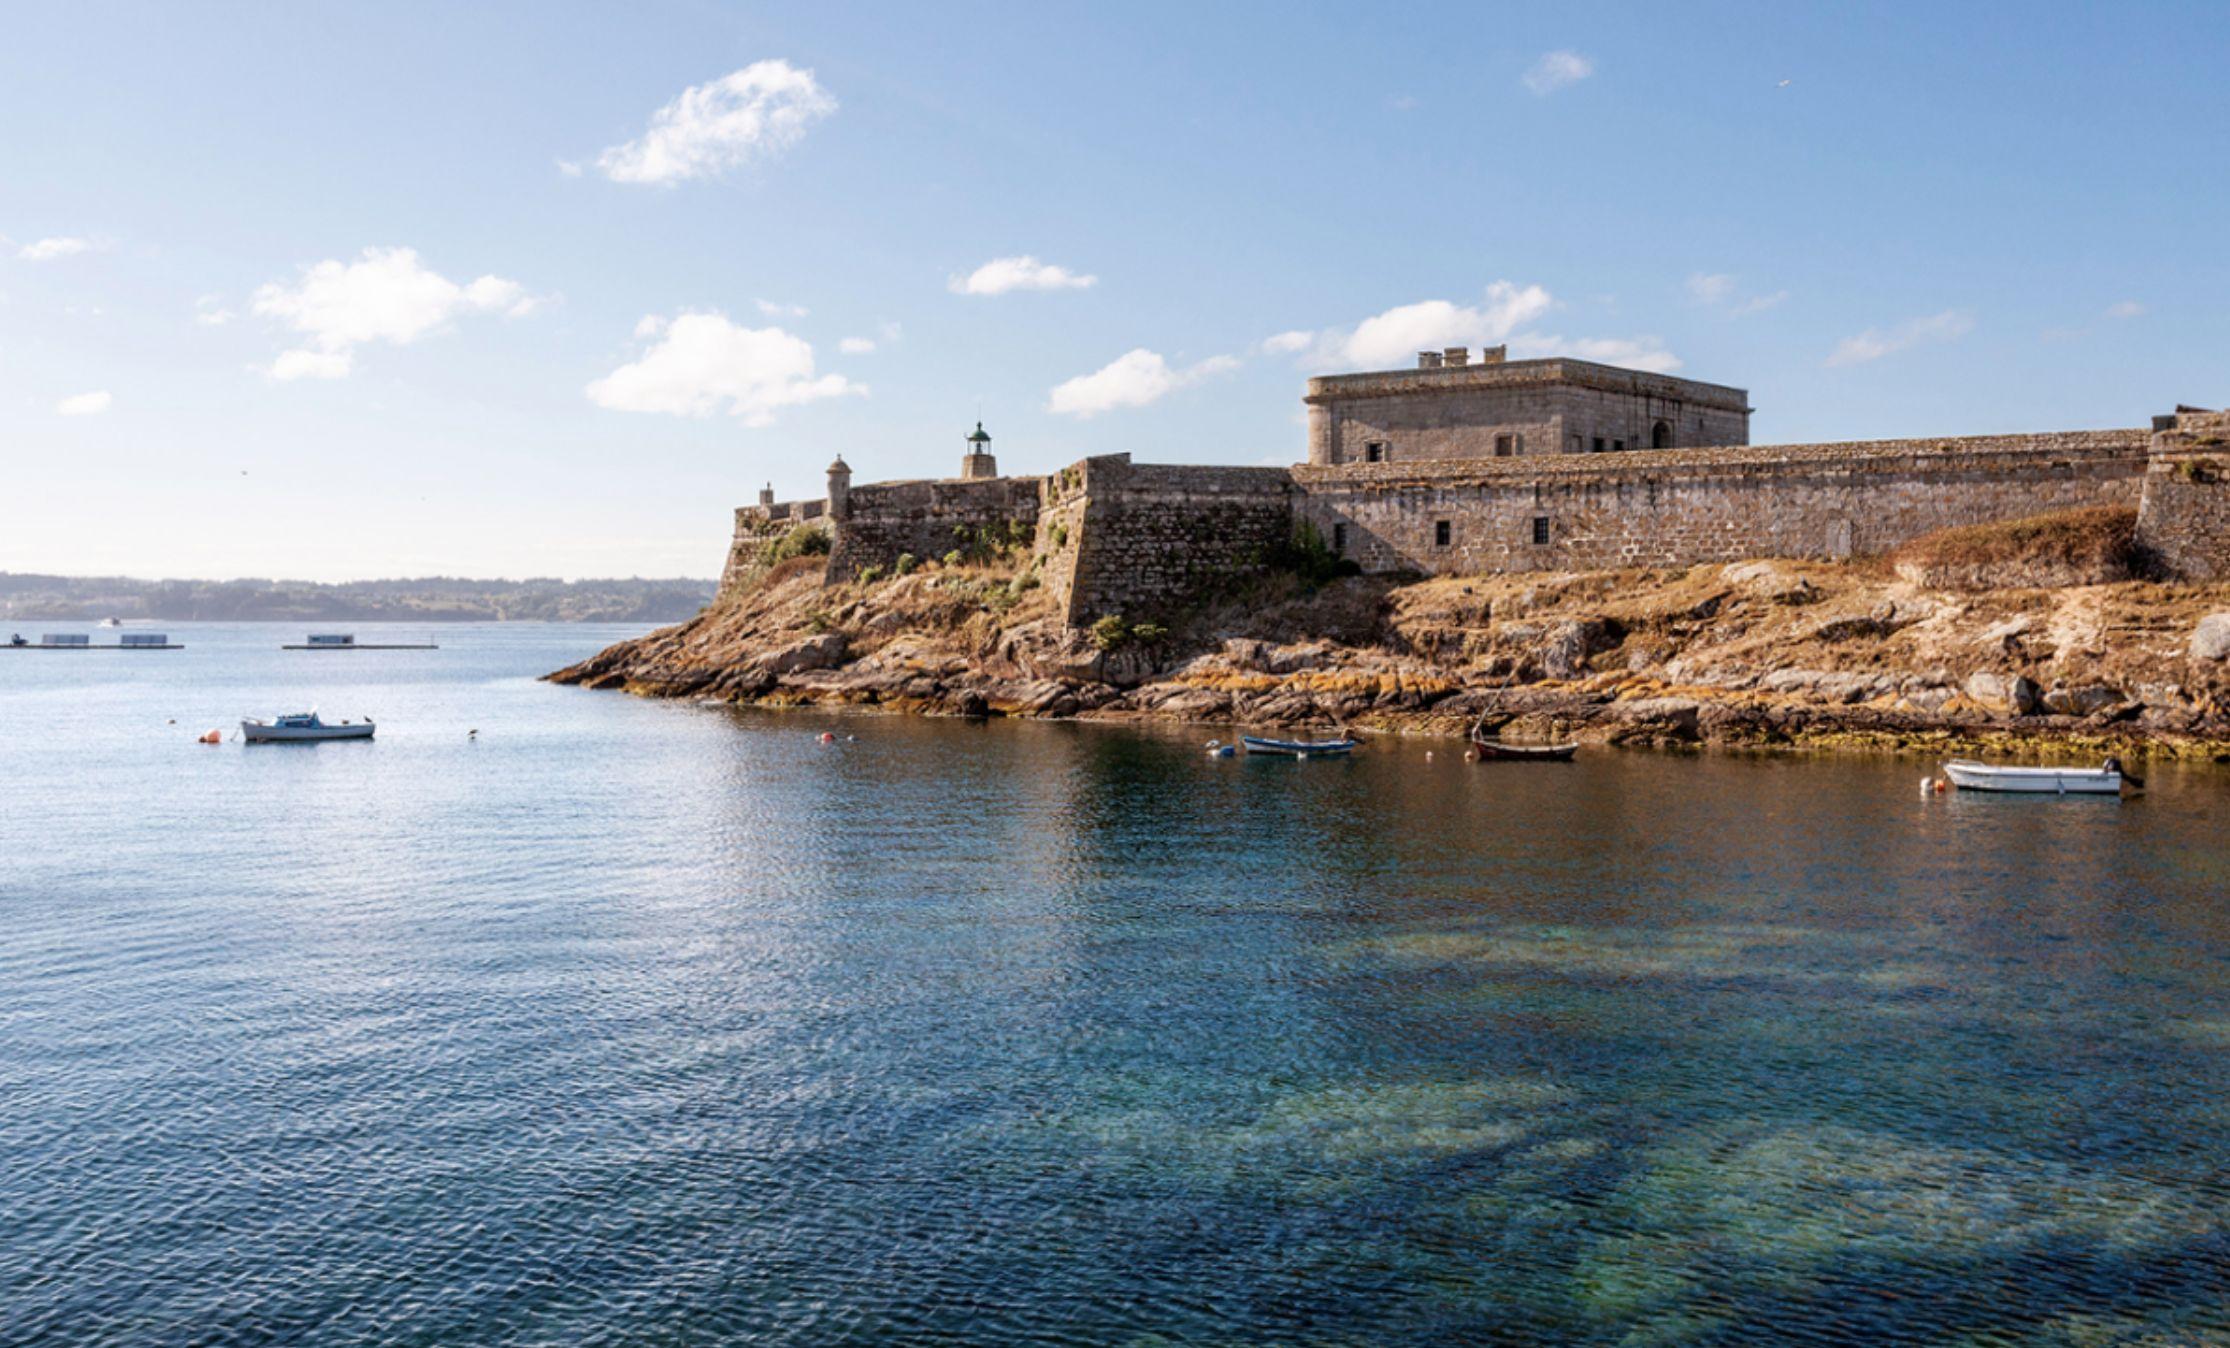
x: 1145, y: 532
x: 2185, y: 518
x: 1110, y: 536
x: 926, y: 519
x: 1664, y: 508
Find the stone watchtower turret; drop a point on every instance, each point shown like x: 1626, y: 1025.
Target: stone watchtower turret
x: 840, y: 489
x: 766, y: 497
x: 977, y: 462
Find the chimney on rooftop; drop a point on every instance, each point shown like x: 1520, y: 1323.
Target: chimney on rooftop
x: 1428, y: 360
x: 1457, y: 355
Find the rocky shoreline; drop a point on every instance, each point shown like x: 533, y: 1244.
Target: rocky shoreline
x: 1755, y: 654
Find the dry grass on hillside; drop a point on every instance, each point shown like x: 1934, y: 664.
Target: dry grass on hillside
x: 2101, y: 539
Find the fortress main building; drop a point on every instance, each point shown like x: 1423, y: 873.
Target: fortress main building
x: 1451, y: 407
x: 1464, y: 466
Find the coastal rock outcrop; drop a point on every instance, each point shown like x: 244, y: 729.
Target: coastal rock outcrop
x: 1769, y: 652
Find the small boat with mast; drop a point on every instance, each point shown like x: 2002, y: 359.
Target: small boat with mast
x: 303, y: 728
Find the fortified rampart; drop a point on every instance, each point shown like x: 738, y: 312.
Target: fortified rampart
x: 884, y: 521
x: 760, y: 524
x: 1680, y: 507
x: 2185, y: 519
x: 1449, y: 484
x: 1135, y: 536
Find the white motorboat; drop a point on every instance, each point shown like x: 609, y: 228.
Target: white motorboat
x: 303, y: 727
x: 2100, y: 781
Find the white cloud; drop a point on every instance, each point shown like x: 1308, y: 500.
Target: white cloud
x: 889, y: 330
x: 1557, y: 70
x: 857, y: 346
x: 1632, y: 353
x: 570, y: 168
x: 210, y: 311
x: 774, y: 310
x: 701, y: 361
x: 1711, y: 289
x: 1875, y: 343
x: 311, y: 365
x: 2125, y: 309
x: 83, y: 404
x: 1002, y: 274
x: 47, y: 250
x: 386, y: 295
x: 1132, y: 379
x: 748, y: 114
x: 1392, y: 338
x: 1718, y: 290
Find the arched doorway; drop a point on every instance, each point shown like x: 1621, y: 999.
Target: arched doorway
x: 1661, y: 435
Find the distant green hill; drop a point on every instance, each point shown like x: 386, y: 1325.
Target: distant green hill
x: 431, y: 599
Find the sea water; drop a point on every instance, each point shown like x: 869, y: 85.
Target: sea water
x: 625, y: 1021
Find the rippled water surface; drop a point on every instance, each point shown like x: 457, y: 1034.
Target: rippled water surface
x: 636, y: 1022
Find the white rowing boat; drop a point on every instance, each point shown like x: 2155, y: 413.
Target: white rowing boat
x: 1255, y: 744
x: 2101, y: 781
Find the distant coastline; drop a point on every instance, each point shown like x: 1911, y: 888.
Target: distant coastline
x: 26, y: 597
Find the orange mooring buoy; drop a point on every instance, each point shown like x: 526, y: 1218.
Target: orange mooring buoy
x: 214, y: 737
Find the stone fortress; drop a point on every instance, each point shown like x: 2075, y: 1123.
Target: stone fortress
x: 1464, y: 466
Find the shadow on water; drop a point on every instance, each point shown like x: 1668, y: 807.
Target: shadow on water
x: 653, y: 1021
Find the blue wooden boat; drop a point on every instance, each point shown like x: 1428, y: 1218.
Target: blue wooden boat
x: 1296, y: 748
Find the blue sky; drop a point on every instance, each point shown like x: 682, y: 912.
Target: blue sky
x: 335, y: 291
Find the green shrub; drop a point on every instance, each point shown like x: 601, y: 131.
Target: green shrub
x: 1309, y: 557
x: 1148, y: 632
x: 868, y: 575
x: 1060, y: 536
x: 818, y: 621
x: 905, y: 564
x: 1110, y: 632
x: 803, y: 540
x: 955, y: 557
x: 1021, y: 585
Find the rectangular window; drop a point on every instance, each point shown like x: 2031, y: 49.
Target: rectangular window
x: 1339, y: 538
x: 1502, y: 446
x: 1598, y: 444
x: 1374, y: 452
x: 1618, y: 446
x: 1540, y: 530
x: 1440, y: 533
